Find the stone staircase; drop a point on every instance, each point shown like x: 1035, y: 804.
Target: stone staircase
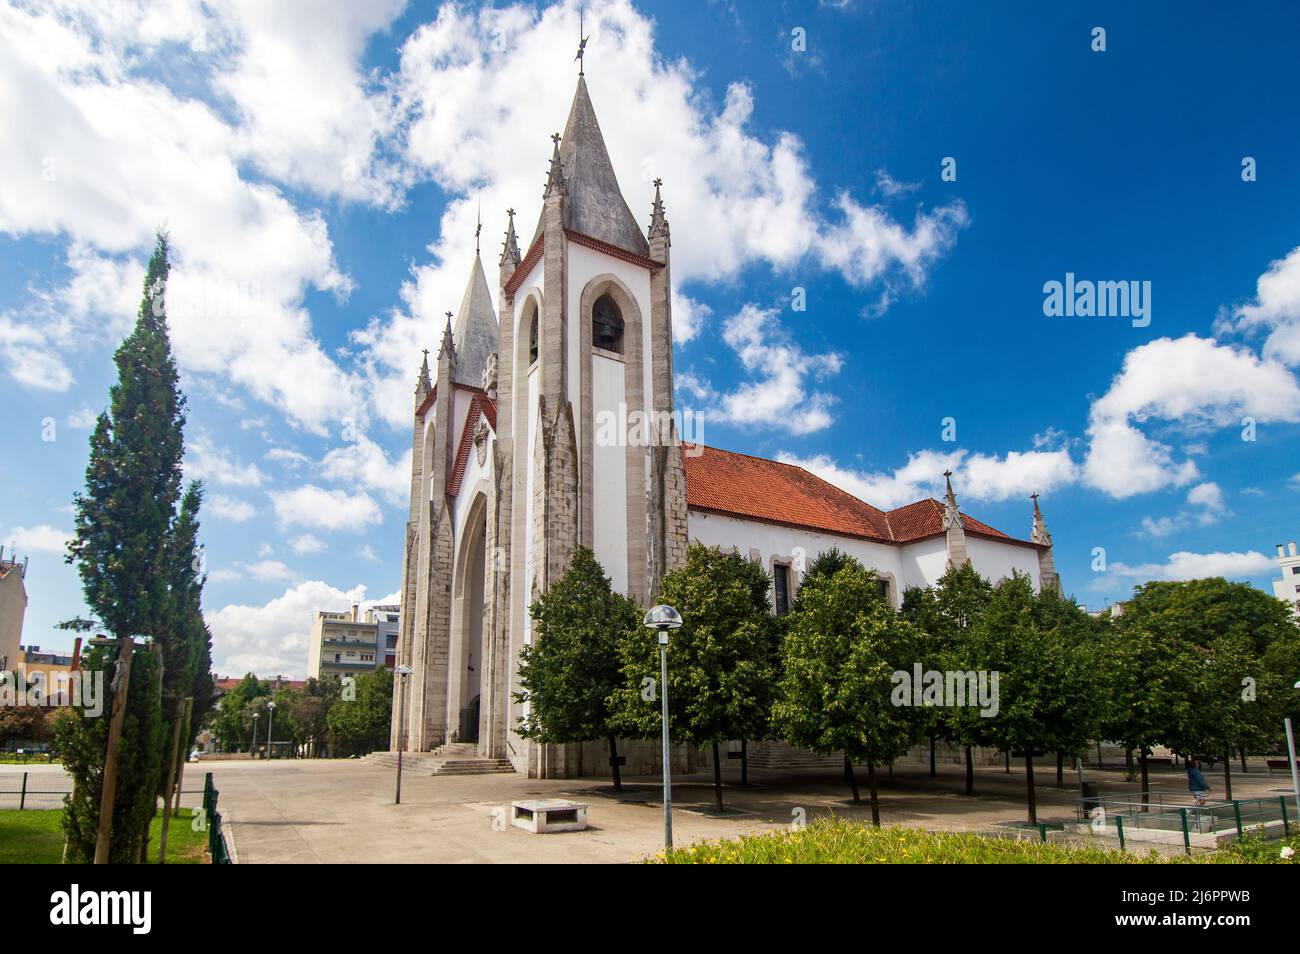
x: 453, y: 759
x: 779, y: 755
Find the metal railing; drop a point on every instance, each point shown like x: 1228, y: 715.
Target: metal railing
x: 1161, y: 822
x: 217, y: 847
x: 45, y: 791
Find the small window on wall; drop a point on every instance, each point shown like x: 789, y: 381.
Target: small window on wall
x: 532, y: 339
x: 781, y: 588
x: 606, y: 325
x: 882, y: 587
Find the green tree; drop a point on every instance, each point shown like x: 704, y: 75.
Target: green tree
x: 232, y: 721
x: 721, y: 666
x: 124, y: 544
x: 362, y: 724
x: 944, y: 615
x: 838, y: 659
x: 82, y: 739
x: 570, y: 672
x: 310, y: 710
x: 1045, y: 691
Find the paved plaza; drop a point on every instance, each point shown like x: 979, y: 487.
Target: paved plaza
x: 342, y: 811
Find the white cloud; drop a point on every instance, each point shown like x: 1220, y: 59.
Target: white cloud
x: 41, y: 538
x: 305, y: 544
x: 1206, y: 498
x: 980, y: 477
x: 83, y: 419
x: 204, y: 460
x: 780, y: 397
x: 689, y: 316
x: 363, y: 463
x: 1191, y: 381
x: 1275, y: 309
x: 230, y: 508
x: 1195, y: 566
x: 269, y: 571
x: 271, y: 639
x: 317, y: 508
x: 290, y: 458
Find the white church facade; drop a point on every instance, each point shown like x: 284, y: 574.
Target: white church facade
x: 514, y: 466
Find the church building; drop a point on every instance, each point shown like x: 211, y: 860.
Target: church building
x: 513, y: 468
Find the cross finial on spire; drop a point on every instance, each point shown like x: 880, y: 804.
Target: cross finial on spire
x: 555, y: 138
x: 449, y: 317
x: 947, y: 473
x: 478, y: 229
x: 582, y: 45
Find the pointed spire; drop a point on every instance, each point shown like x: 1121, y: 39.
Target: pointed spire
x: 555, y: 178
x: 510, y: 248
x: 593, y: 203
x: 951, y: 515
x: 422, y: 383
x: 954, y: 529
x: 475, y: 333
x: 1048, y: 578
x: 1039, y: 534
x: 448, y: 346
x: 658, y: 222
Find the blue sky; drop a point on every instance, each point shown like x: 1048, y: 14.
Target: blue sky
x: 320, y: 176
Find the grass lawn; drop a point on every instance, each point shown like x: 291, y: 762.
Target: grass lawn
x: 36, y: 837
x: 837, y: 841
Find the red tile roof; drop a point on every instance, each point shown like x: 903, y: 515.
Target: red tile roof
x: 754, y: 488
x: 480, y: 405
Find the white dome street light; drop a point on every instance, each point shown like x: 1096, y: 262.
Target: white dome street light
x: 664, y: 618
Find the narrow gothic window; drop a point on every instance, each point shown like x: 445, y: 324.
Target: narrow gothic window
x: 532, y: 339
x: 606, y: 325
x: 781, y: 588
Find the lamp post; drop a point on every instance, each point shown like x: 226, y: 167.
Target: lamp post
x: 270, y: 721
x: 663, y: 619
x: 1290, y: 748
x: 402, y: 671
x: 252, y: 745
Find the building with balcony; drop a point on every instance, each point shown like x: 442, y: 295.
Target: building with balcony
x: 344, y: 644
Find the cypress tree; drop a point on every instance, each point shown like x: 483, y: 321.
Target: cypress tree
x: 135, y: 555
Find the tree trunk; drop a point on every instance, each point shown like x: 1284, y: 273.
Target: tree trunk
x: 744, y: 763
x: 1060, y: 770
x: 1227, y: 776
x: 1146, y: 777
x: 853, y: 780
x: 1244, y: 769
x: 1128, y: 765
x: 1029, y: 782
x: 613, y: 764
x: 970, y: 772
x: 1007, y: 754
x: 1099, y: 765
x: 875, y: 795
x: 717, y: 777
x: 933, y: 773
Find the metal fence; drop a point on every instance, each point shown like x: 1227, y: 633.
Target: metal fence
x: 28, y: 791
x: 1155, y: 823
x: 217, y: 847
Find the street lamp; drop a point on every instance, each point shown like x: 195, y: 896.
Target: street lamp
x: 270, y: 721
x: 252, y: 745
x: 402, y: 671
x: 663, y: 619
x: 1290, y: 749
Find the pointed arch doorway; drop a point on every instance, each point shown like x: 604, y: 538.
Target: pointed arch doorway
x: 470, y: 591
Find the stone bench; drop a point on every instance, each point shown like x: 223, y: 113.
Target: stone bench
x: 543, y: 815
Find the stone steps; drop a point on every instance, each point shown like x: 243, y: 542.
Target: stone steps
x: 430, y: 763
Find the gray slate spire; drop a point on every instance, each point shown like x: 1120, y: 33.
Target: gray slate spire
x: 593, y: 203
x: 954, y: 529
x: 476, y: 329
x: 510, y: 248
